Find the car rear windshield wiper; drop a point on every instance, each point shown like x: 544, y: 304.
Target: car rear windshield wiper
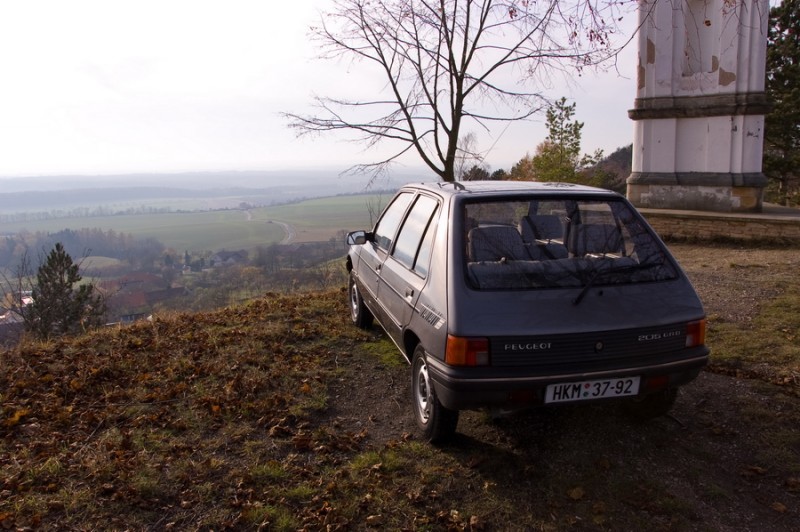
x: 597, y: 273
x: 586, y: 287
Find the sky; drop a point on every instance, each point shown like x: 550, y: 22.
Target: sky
x: 95, y: 87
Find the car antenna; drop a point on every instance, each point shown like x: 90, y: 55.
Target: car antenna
x: 456, y: 185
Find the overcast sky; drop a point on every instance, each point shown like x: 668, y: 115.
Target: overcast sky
x: 106, y: 87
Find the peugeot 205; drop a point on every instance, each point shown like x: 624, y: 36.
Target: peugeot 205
x: 506, y: 295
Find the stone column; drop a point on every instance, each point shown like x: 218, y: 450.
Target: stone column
x: 700, y: 105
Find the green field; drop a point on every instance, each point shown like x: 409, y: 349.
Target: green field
x: 311, y: 220
x: 322, y: 218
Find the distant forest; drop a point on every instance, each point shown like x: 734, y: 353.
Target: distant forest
x: 139, y: 252
x: 617, y: 166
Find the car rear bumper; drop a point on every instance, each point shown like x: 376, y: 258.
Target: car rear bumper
x: 461, y: 388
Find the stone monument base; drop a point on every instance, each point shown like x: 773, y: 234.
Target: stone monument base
x: 695, y: 191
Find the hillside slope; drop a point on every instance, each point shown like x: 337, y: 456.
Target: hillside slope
x: 280, y: 415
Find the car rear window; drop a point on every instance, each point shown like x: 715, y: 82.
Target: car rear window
x: 543, y: 242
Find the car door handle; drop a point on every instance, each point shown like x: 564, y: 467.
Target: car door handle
x: 409, y: 292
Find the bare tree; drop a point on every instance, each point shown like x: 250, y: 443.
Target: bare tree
x: 451, y: 65
x: 467, y: 155
x: 17, y: 288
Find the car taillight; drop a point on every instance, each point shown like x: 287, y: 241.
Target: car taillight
x: 467, y: 351
x: 696, y: 333
x: 655, y: 384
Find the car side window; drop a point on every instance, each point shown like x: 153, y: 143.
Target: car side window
x: 413, y: 230
x: 424, y: 255
x: 392, y: 216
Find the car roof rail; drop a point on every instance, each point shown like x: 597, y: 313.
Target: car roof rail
x: 456, y: 185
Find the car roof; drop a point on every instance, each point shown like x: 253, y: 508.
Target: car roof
x: 492, y: 188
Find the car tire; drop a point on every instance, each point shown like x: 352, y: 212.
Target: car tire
x: 359, y: 313
x: 437, y: 423
x: 651, y: 406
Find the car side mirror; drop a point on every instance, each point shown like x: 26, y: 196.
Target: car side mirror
x: 357, y: 238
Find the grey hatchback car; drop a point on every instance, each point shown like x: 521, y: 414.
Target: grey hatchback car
x: 505, y: 295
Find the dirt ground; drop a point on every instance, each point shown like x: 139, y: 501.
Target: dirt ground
x: 727, y: 458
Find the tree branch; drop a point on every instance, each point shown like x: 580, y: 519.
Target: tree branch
x: 449, y: 64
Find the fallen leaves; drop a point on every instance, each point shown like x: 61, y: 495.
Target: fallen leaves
x: 162, y: 411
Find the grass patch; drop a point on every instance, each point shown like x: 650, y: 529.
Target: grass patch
x: 385, y: 351
x: 270, y: 517
x: 272, y: 471
x: 771, y: 343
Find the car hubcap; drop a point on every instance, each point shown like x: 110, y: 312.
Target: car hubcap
x: 354, y: 300
x: 423, y: 395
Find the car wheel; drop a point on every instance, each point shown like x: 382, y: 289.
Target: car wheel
x: 651, y: 406
x: 438, y: 424
x: 359, y: 312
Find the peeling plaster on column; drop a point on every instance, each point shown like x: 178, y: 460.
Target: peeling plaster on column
x: 726, y: 78
x: 714, y: 63
x: 651, y: 52
x: 640, y: 77
x: 757, y: 134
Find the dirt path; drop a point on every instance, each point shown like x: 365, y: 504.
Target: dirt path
x: 291, y: 234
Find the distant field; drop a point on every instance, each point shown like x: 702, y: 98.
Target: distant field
x: 312, y: 220
x: 322, y: 218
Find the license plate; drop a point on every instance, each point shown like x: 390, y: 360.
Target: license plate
x: 588, y: 390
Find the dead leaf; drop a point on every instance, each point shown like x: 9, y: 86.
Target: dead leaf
x: 302, y: 442
x: 16, y: 417
x: 474, y: 461
x: 599, y: 520
x: 751, y: 471
x: 576, y: 494
x: 778, y: 507
x: 374, y: 520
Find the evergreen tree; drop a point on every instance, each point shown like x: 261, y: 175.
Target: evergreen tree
x: 58, y: 307
x: 558, y: 157
x: 476, y: 173
x: 782, y: 128
x: 523, y: 170
x: 499, y: 175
